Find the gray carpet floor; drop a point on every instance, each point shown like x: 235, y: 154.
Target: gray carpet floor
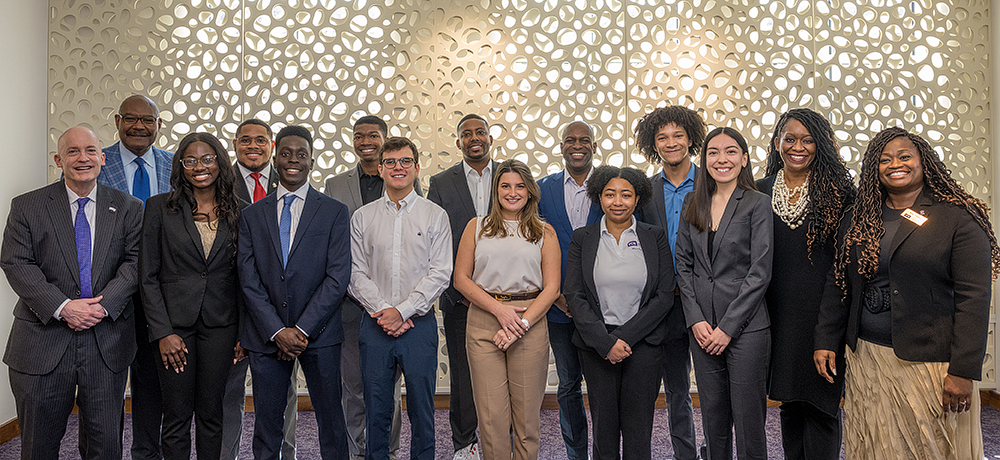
x: 551, y: 441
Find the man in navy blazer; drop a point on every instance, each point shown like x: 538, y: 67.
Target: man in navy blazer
x: 70, y: 252
x: 295, y: 265
x: 564, y: 205
x: 138, y: 123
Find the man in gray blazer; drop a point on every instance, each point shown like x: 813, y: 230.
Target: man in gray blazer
x: 464, y: 191
x: 357, y: 187
x: 70, y: 251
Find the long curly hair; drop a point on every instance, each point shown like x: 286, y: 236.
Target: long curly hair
x: 226, y: 203
x: 831, y: 189
x: 866, y: 229
x: 650, y: 124
x: 530, y: 225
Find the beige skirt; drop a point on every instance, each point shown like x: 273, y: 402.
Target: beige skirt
x: 892, y: 410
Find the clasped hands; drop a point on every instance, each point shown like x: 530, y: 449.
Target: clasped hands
x: 512, y: 328
x: 712, y: 340
x: 392, y: 321
x: 83, y: 314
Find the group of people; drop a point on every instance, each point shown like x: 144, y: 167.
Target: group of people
x: 189, y: 268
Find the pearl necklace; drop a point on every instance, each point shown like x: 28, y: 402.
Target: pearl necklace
x: 791, y: 214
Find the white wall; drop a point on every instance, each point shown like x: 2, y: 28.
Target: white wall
x: 23, y: 96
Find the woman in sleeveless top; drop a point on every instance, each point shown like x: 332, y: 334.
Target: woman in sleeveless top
x: 507, y: 266
x: 187, y: 269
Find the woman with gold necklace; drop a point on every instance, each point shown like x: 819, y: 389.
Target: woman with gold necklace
x: 810, y: 188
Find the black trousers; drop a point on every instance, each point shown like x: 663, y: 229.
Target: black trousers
x: 808, y: 433
x: 463, y: 408
x: 622, y: 400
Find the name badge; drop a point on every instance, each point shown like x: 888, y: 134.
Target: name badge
x: 913, y: 216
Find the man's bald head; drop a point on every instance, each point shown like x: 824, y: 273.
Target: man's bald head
x: 577, y: 148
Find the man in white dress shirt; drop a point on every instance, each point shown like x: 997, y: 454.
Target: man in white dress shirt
x: 401, y: 262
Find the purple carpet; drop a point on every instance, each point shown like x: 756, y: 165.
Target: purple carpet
x: 552, y: 446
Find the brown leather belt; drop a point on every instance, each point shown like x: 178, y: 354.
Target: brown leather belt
x: 503, y: 297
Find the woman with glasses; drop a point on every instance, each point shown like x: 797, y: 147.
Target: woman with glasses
x: 190, y: 292
x: 508, y: 268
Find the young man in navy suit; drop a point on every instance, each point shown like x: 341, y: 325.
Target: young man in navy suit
x: 565, y: 206
x: 135, y: 166
x: 295, y: 264
x: 670, y: 136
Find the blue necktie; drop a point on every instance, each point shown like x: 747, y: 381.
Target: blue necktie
x: 82, y: 230
x: 140, y: 181
x: 285, y: 227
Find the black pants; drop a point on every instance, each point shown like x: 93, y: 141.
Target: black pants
x: 463, y: 408
x: 808, y: 433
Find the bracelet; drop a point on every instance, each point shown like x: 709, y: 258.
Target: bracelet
x: 526, y: 323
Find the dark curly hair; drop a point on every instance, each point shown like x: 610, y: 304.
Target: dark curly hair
x: 603, y: 174
x: 226, y: 203
x: 866, y: 228
x: 650, y: 124
x: 831, y: 189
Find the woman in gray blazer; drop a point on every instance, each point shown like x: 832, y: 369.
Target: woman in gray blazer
x: 724, y: 250
x: 188, y: 281
x: 619, y: 287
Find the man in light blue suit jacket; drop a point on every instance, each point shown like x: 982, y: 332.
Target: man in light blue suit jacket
x: 138, y: 122
x: 565, y: 206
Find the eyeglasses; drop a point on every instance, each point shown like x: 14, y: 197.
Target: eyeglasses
x: 259, y: 140
x: 132, y: 119
x: 190, y: 163
x: 403, y: 162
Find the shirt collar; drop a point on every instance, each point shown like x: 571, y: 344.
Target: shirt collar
x: 604, y: 226
x: 690, y: 177
x: 73, y: 196
x: 406, y: 204
x: 567, y: 178
x: 468, y: 169
x: 128, y: 156
x: 246, y: 172
x: 281, y: 191
x: 362, y: 173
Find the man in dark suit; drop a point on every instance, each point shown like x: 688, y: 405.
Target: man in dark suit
x: 464, y: 192
x: 357, y: 187
x: 134, y: 166
x: 70, y: 251
x: 295, y: 264
x: 564, y: 205
x: 670, y: 136
x: 257, y: 179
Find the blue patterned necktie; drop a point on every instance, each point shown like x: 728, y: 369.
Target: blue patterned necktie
x: 140, y: 181
x: 285, y: 227
x: 82, y: 230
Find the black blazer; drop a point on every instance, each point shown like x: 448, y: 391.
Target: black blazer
x: 450, y: 190
x: 649, y: 323
x: 177, y: 283
x: 940, y: 279
x: 727, y: 289
x: 241, y: 183
x: 39, y: 258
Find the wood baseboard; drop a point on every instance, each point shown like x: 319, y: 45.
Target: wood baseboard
x: 10, y: 430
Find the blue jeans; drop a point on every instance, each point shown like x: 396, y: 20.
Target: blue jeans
x: 572, y: 414
x: 382, y: 357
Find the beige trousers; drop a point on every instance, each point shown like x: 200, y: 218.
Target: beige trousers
x: 507, y: 386
x: 892, y: 410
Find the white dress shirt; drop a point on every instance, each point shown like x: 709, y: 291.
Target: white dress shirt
x: 479, y: 187
x: 128, y: 164
x: 619, y: 274
x: 89, y: 210
x: 402, y: 257
x: 249, y: 181
x: 576, y: 199
x: 296, y: 210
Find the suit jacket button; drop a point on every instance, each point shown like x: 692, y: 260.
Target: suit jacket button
x: 78, y: 293
x: 895, y: 292
x: 284, y: 305
x: 282, y: 277
x: 710, y: 279
x: 204, y: 275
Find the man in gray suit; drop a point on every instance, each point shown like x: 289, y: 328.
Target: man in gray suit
x: 357, y: 187
x: 69, y: 252
x: 464, y: 191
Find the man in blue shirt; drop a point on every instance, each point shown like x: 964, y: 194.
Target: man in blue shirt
x: 670, y: 136
x: 564, y: 204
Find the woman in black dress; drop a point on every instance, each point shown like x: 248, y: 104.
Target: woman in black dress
x: 810, y: 188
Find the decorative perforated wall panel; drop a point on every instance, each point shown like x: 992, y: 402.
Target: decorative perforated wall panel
x: 530, y: 67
